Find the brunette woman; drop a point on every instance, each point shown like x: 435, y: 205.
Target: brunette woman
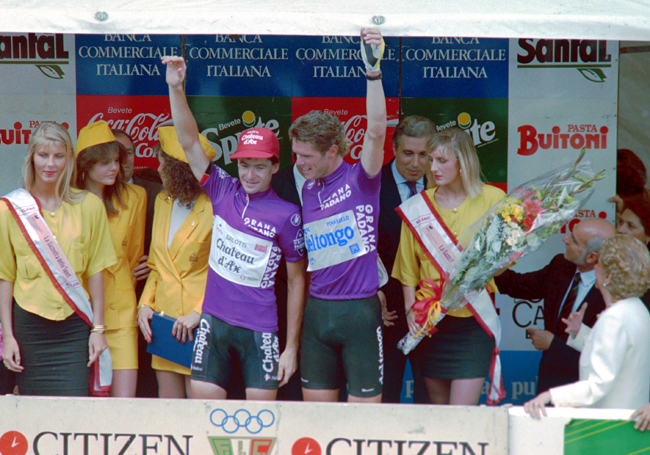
x: 98, y: 162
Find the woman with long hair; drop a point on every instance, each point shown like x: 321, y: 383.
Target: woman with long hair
x: 178, y: 258
x: 47, y: 317
x: 456, y: 359
x: 99, y: 171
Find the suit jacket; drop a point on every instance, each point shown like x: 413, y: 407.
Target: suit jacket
x: 390, y: 226
x: 559, y: 364
x: 615, y: 360
x: 284, y: 185
x: 176, y: 284
x: 152, y: 189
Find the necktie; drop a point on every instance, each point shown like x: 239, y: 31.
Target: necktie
x: 567, y: 308
x: 412, y: 188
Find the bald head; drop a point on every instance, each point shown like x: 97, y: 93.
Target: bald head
x: 583, y: 243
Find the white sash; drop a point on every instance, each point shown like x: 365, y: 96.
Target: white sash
x: 25, y: 210
x: 442, y: 249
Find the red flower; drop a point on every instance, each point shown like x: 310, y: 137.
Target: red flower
x: 528, y: 221
x: 534, y: 207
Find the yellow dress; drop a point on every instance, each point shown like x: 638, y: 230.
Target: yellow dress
x: 411, y: 263
x: 120, y: 303
x: 176, y: 284
x: 81, y: 231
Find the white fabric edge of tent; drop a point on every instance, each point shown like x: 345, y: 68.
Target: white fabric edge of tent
x: 494, y: 25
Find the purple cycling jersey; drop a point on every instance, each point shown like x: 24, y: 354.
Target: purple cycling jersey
x: 250, y: 233
x: 341, y: 212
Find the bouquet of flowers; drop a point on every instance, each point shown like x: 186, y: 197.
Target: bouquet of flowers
x: 512, y: 228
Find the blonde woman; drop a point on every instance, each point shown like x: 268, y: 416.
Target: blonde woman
x: 98, y: 162
x: 454, y: 361
x: 47, y: 342
x: 178, y: 257
x: 615, y: 353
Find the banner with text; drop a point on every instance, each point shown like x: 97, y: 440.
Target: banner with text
x: 81, y: 426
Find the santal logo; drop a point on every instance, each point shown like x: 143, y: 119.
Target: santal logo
x: 482, y: 133
x: 46, y: 52
x: 241, y: 446
x: 587, y: 56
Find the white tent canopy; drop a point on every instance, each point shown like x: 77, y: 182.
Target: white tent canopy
x: 604, y: 19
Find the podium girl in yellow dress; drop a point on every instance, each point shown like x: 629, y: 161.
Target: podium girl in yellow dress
x: 455, y: 360
x: 46, y: 343
x: 99, y: 171
x: 178, y: 258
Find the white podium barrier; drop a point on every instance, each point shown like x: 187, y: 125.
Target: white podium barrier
x: 88, y: 426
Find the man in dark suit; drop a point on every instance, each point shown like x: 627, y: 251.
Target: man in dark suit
x: 403, y: 177
x: 564, y: 284
x: 147, y: 384
x: 284, y: 185
x: 146, y: 178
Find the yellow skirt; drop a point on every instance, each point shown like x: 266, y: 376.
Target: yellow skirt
x: 123, y: 344
x: 158, y: 363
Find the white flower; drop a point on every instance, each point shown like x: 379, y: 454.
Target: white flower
x: 512, y: 241
x: 533, y: 241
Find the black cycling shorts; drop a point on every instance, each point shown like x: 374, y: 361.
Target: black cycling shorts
x: 343, y: 337
x: 219, y: 345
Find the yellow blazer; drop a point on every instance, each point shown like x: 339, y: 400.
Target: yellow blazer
x: 127, y: 232
x: 176, y: 284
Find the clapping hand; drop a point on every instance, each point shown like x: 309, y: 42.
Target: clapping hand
x: 574, y: 321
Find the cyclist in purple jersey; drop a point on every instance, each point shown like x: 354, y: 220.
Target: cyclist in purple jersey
x: 343, y: 327
x: 252, y: 229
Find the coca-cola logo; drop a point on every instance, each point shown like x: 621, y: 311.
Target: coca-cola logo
x: 355, y: 130
x: 143, y: 128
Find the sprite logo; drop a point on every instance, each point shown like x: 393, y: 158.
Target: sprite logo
x: 482, y: 133
x: 241, y: 446
x: 248, y: 118
x: 226, y: 145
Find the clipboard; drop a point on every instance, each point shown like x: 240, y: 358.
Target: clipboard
x: 164, y: 345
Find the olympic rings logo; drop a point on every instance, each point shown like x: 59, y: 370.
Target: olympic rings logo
x: 242, y: 418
